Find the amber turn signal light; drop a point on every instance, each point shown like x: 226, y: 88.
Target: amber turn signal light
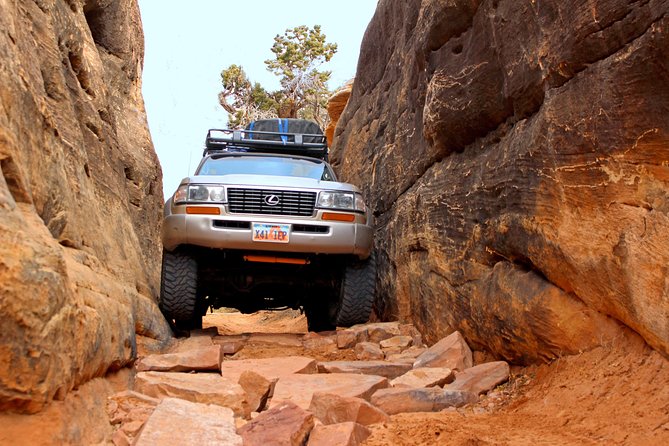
x: 333, y: 216
x: 202, y: 210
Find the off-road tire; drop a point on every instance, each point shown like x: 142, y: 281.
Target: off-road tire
x: 356, y: 295
x: 178, y: 291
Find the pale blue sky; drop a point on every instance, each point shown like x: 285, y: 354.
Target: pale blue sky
x: 189, y: 43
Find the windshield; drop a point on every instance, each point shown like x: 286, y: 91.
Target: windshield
x: 266, y: 165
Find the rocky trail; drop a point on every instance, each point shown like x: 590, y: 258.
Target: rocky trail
x: 261, y: 379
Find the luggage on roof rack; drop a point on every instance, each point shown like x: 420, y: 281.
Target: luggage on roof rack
x: 284, y: 136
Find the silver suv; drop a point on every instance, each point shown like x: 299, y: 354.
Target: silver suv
x: 264, y: 224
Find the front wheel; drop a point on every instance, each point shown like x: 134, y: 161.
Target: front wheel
x: 356, y: 294
x: 178, y: 290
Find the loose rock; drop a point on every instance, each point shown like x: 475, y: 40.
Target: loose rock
x: 270, y: 368
x: 367, y: 351
x: 343, y: 434
x: 431, y: 399
x: 206, y: 388
x: 380, y: 368
x: 424, y: 377
x: 332, y: 409
x: 179, y: 422
x: 300, y: 388
x: 200, y: 359
x: 285, y: 424
x: 452, y: 352
x: 481, y: 378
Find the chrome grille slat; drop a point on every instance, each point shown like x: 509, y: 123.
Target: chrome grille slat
x: 251, y: 201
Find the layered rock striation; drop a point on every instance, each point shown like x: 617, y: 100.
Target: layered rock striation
x: 516, y: 156
x: 80, y: 197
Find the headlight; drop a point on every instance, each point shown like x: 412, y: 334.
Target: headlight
x: 202, y: 193
x: 348, y: 201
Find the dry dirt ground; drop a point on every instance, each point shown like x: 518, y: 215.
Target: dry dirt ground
x: 617, y: 394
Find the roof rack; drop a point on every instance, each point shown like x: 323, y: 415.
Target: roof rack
x: 230, y: 140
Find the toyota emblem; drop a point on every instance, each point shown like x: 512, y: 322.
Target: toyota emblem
x: 271, y: 200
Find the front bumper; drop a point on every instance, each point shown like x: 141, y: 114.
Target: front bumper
x: 234, y: 231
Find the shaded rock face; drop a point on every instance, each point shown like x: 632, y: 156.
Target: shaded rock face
x: 516, y: 157
x: 80, y: 197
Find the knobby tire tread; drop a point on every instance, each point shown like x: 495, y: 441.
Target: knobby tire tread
x: 357, y: 294
x: 178, y: 293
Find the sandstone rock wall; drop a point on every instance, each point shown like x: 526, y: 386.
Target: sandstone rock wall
x: 80, y: 197
x: 516, y: 155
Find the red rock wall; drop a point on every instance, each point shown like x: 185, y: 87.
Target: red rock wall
x: 80, y: 197
x: 516, y: 155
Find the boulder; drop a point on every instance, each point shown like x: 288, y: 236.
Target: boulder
x: 380, y: 331
x: 323, y: 342
x: 285, y: 424
x: 230, y: 344
x: 178, y: 422
x: 331, y: 408
x: 300, y: 388
x: 270, y: 368
x: 197, y: 360
x: 424, y: 377
x: 451, y: 352
x: 258, y: 390
x: 206, y: 388
x: 481, y: 378
x: 368, y: 351
x: 342, y: 434
x: 386, y: 369
x: 425, y: 399
x: 408, y: 356
x: 396, y: 343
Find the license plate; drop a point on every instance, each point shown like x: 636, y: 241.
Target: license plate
x: 271, y: 233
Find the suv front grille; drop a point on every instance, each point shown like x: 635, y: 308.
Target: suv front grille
x: 256, y: 201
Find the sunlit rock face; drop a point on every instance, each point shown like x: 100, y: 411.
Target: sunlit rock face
x: 516, y: 155
x: 80, y: 197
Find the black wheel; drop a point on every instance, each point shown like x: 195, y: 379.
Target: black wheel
x: 178, y: 291
x: 356, y: 295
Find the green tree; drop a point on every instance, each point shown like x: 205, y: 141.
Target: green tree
x: 298, y: 55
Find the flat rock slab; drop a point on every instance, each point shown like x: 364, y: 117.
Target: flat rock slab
x: 408, y: 356
x: 333, y: 409
x: 285, y: 424
x: 383, y: 330
x: 451, y: 352
x: 300, y: 388
x: 424, y: 377
x: 396, y: 342
x: 431, y: 399
x: 258, y: 390
x: 192, y: 343
x: 349, y: 337
x: 230, y: 344
x: 368, y: 351
x: 270, y: 368
x: 179, y: 422
x: 386, y: 369
x: 206, y: 358
x: 342, y: 434
x: 206, y: 388
x: 482, y: 378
